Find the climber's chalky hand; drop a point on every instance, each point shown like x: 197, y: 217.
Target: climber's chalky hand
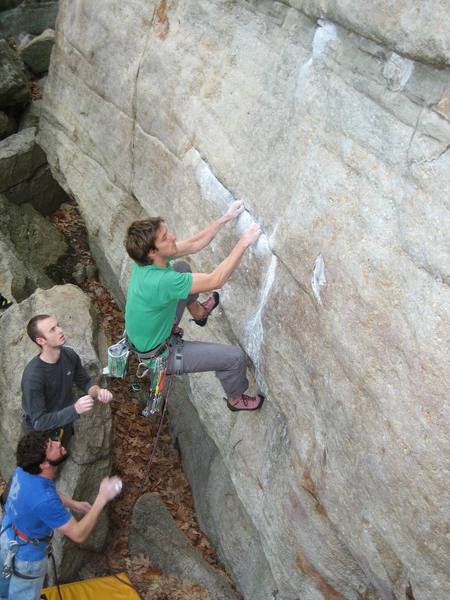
x: 234, y: 210
x: 250, y: 236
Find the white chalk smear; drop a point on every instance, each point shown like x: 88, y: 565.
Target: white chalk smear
x: 325, y: 33
x: 213, y: 191
x: 318, y: 279
x: 254, y: 328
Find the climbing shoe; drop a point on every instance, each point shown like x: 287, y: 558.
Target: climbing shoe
x: 209, y: 305
x: 246, y: 402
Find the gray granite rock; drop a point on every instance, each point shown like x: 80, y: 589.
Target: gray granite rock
x: 220, y: 512
x: 89, y: 459
x: 36, y: 53
x: 25, y: 176
x: 20, y: 157
x: 41, y: 191
x: 26, y: 229
x: 14, y: 87
x: 31, y: 16
x: 336, y: 135
x: 154, y: 534
x: 418, y: 29
x: 15, y: 281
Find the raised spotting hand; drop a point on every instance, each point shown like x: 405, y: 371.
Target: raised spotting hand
x: 104, y: 396
x: 84, y: 404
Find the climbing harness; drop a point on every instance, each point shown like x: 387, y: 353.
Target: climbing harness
x: 13, y: 546
x: 9, y: 567
x: 156, y: 362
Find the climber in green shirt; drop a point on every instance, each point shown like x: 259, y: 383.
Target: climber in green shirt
x: 158, y: 293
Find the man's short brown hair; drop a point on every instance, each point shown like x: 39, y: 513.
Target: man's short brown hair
x: 141, y: 237
x: 33, y: 327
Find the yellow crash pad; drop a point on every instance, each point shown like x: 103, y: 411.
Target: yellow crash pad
x: 101, y: 588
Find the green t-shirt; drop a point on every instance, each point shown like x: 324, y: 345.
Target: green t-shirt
x: 153, y: 295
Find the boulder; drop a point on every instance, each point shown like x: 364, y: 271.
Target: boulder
x: 20, y: 157
x: 14, y: 87
x: 41, y: 191
x: 36, y: 53
x: 89, y: 459
x: 25, y: 177
x: 7, y: 125
x: 337, y: 141
x: 154, y: 534
x: 16, y: 283
x: 25, y: 229
x: 31, y: 16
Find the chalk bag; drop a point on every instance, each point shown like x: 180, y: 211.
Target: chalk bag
x: 118, y: 359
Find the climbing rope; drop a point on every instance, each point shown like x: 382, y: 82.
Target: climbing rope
x: 156, y: 440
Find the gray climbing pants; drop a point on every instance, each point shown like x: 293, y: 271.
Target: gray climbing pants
x: 228, y: 362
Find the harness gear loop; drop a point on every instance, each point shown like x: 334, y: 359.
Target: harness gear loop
x: 178, y: 355
x: 145, y: 370
x: 9, y: 567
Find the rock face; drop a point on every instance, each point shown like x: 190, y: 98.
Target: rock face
x: 89, y: 461
x: 14, y: 88
x: 153, y: 533
x: 220, y: 512
x: 415, y: 29
x: 36, y: 53
x: 336, y: 134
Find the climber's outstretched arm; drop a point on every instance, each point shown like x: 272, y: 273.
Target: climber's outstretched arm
x: 204, y: 237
